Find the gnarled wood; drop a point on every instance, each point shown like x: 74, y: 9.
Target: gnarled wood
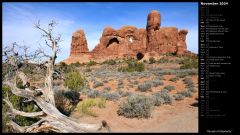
x: 51, y: 119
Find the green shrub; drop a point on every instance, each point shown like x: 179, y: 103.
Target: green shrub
x: 181, y: 74
x: 152, y: 60
x: 107, y: 88
x: 156, y: 83
x: 135, y: 82
x: 186, y: 93
x: 136, y: 105
x: 75, y: 81
x: 105, y: 81
x: 144, y: 87
x: 97, y: 84
x: 188, y: 62
x: 91, y: 63
x: 84, y: 107
x: 169, y: 88
x: 28, y: 69
x: 191, y: 89
x: 110, y: 96
x: 18, y: 104
x: 162, y: 97
x: 63, y: 65
x: 20, y: 83
x: 93, y: 93
x: 189, y: 83
x: 163, y: 60
x: 88, y: 70
x: 110, y: 62
x: 132, y: 65
x: 67, y: 68
x: 181, y: 95
x: 140, y: 67
x: 174, y: 79
x: 124, y: 94
x: 77, y: 64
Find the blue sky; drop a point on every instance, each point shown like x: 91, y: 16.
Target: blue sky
x: 92, y: 17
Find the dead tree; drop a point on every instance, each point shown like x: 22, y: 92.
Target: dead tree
x: 47, y: 34
x: 51, y: 119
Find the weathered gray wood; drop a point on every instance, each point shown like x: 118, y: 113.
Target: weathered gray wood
x: 51, y: 119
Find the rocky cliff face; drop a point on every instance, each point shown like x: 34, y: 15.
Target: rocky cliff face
x: 130, y: 41
x: 79, y: 43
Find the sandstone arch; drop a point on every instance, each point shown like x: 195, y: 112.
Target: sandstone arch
x: 111, y: 41
x: 139, y: 55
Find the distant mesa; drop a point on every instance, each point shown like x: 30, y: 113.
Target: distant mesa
x: 129, y: 41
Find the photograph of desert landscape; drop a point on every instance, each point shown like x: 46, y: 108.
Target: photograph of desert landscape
x: 100, y: 67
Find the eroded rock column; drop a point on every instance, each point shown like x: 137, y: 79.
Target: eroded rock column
x: 153, y: 24
x: 79, y: 43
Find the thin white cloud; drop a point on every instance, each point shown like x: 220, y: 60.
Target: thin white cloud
x: 18, y: 26
x: 19, y: 19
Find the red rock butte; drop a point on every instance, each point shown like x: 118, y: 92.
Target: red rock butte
x: 130, y: 41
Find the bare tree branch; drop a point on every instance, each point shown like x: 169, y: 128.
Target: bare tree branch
x: 51, y: 118
x: 21, y: 113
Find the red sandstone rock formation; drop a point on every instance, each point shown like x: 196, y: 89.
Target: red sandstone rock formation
x: 131, y: 41
x: 79, y: 43
x: 182, y: 46
x: 128, y: 40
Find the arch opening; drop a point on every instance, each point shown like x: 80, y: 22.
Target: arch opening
x: 139, y: 56
x: 111, y: 41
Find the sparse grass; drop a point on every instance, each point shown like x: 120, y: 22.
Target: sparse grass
x: 136, y: 105
x: 84, y: 107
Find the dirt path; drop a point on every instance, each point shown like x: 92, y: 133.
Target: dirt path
x: 179, y: 117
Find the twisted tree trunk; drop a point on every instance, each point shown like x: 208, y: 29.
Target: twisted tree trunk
x: 51, y: 119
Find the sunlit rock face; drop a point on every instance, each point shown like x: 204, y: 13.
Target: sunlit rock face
x: 129, y: 41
